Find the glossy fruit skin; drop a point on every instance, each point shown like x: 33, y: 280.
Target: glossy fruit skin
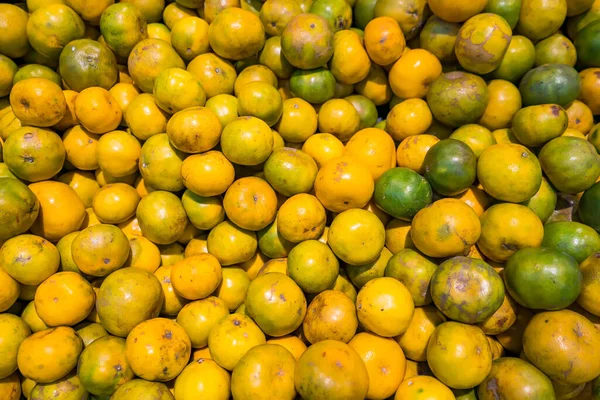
x: 315, y: 86
x: 469, y: 90
x: 126, y: 298
x: 136, y: 388
x: 401, y: 193
x: 588, y: 206
x: 459, y: 347
x: 497, y: 172
x: 331, y: 315
x: 265, y: 370
x: 319, y: 376
x: 507, y: 9
x: 448, y: 227
x: 50, y: 28
x: 569, y: 354
x: 19, y: 208
x: 573, y: 238
x: 550, y: 84
x: 587, y: 45
x: 571, y: 164
x: 414, y: 271
x: 49, y: 355
x: 97, y: 364
x: 466, y: 289
x: 148, y: 59
x: 307, y: 41
x: 438, y: 37
x: 519, y: 58
x: 505, y: 374
x: 542, y: 278
x: 543, y: 202
x: 450, y: 167
x: 556, y: 49
x: 540, y: 19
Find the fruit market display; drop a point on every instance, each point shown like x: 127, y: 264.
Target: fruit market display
x: 300, y: 199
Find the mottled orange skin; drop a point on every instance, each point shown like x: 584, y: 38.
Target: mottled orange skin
x: 459, y: 355
x: 482, y: 42
x: 202, y: 378
x: 568, y: 355
x: 199, y: 317
x: 307, y: 41
x: 344, y: 183
x: 590, y: 89
x: 332, y: 370
x: 460, y: 11
x: 448, y: 227
x: 50, y: 354
x: 414, y: 340
x: 158, y: 349
x: 232, y: 337
x: 38, y: 102
x: 236, y: 34
x: 196, y: 277
x: 331, y: 315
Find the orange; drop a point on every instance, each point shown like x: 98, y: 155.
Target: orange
x: 207, y: 174
x: 100, y: 249
x: 231, y: 244
x: 97, y: 110
x: 301, y: 217
x: 260, y: 100
x: 65, y: 298
x: 504, y: 100
x: 580, y: 116
x: 176, y: 89
x: 173, y: 302
x: 14, y: 331
x: 375, y: 86
x: 216, y: 74
x: 196, y: 277
x: 323, y: 147
x: 423, y: 386
x: 232, y: 337
x: 385, y: 363
x: 38, y: 102
x: 194, y: 130
x: 339, y: 118
x: 384, y: 40
x: 408, y: 118
x: 199, y: 317
x: 373, y: 148
x: 80, y: 145
x: 254, y: 73
x: 189, y: 37
x: 123, y: 93
x: 590, y: 89
x: 69, y: 119
x: 203, y: 378
x: 460, y: 11
x: 412, y: 74
x: 115, y: 203
x: 236, y: 34
x: 158, y: 349
x: 61, y: 210
x: 331, y: 315
x: 144, y: 118
x: 247, y: 141
x: 13, y: 33
x: 344, y: 183
x: 225, y: 107
x: 250, y: 203
x: 118, y: 153
x: 412, y: 150
x: 48, y: 355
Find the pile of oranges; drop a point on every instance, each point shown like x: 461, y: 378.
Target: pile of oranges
x: 315, y: 199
